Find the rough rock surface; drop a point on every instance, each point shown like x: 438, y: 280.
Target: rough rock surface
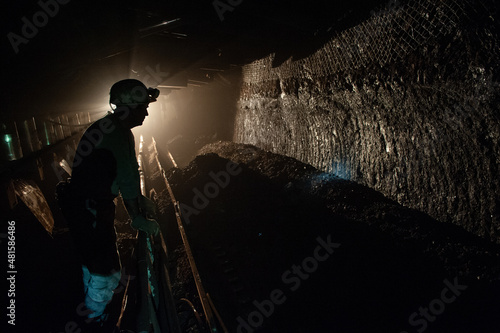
x: 423, y: 129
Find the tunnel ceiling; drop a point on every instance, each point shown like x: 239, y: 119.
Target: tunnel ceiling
x: 80, y: 47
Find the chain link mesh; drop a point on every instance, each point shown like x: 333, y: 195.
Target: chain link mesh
x: 384, y: 38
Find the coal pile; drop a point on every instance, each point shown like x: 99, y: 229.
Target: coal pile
x: 283, y: 247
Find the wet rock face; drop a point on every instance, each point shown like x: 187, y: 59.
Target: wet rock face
x: 423, y: 130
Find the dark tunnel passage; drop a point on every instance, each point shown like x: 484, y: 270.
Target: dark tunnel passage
x: 337, y: 162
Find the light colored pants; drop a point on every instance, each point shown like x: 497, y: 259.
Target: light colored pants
x: 98, y: 290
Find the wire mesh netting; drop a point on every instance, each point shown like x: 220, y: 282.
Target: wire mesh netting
x: 387, y: 36
x: 405, y: 102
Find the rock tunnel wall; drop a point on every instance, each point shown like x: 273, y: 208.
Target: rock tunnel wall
x: 406, y: 102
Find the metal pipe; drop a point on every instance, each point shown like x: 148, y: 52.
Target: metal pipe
x: 197, y: 279
x: 145, y: 306
x: 159, y: 302
x: 219, y: 318
x: 142, y: 270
